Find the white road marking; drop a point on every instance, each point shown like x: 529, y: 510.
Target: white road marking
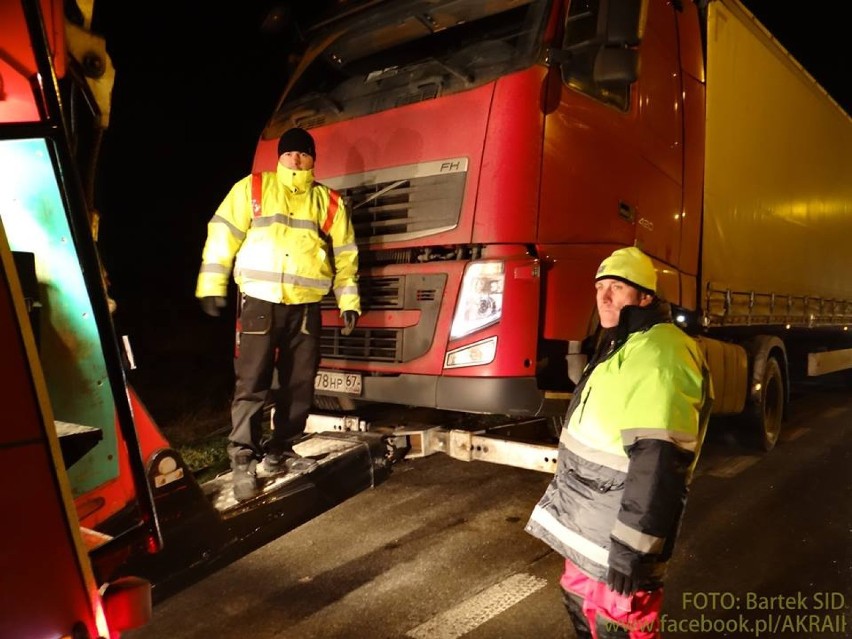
x: 475, y: 611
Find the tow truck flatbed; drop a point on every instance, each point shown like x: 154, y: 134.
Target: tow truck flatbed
x: 204, y: 527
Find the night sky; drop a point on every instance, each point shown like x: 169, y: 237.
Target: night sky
x: 194, y: 86
x: 817, y: 37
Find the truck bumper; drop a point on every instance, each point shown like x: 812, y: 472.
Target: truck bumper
x: 498, y: 395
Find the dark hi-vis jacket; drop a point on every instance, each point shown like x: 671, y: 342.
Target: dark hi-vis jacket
x: 630, y: 441
x: 280, y: 232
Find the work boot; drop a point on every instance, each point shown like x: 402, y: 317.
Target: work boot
x: 244, y: 467
x: 279, y: 458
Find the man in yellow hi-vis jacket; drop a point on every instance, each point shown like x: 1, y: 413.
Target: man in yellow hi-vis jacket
x: 289, y: 241
x: 631, y: 438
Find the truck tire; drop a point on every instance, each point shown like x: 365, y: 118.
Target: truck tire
x: 554, y: 426
x: 766, y: 415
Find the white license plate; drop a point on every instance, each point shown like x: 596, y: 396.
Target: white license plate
x: 337, y: 382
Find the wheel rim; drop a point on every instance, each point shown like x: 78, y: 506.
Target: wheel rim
x: 773, y: 405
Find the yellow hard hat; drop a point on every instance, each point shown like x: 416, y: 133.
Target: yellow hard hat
x: 630, y: 265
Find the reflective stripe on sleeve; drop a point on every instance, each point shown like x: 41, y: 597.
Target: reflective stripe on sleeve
x: 683, y: 440
x: 216, y: 269
x: 345, y: 290
x: 237, y: 233
x: 588, y: 549
x: 640, y: 541
x: 344, y: 248
x: 616, y: 462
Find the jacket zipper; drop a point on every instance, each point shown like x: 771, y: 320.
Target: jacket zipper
x: 583, y: 405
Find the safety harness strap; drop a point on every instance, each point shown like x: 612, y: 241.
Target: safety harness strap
x: 256, y: 194
x: 333, y: 203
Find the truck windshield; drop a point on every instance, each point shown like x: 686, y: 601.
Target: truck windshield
x: 400, y: 52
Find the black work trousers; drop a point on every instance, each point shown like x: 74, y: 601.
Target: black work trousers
x: 282, y: 338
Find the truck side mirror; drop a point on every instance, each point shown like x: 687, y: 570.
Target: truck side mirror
x: 618, y: 22
x: 599, y: 53
x: 616, y: 63
x: 616, y: 67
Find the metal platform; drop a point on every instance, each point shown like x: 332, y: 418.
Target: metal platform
x: 204, y: 527
x: 324, y: 448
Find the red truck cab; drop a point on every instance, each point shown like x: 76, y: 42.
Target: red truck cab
x: 491, y: 154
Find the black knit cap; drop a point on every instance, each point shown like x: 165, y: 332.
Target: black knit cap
x: 297, y: 139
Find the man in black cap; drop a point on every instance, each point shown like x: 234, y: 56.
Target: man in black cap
x: 289, y: 240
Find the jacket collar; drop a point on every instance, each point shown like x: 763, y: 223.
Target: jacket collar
x: 640, y: 318
x: 295, y: 181
x: 633, y: 319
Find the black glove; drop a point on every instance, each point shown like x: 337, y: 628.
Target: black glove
x: 212, y: 304
x: 620, y: 583
x: 623, y: 572
x: 350, y: 319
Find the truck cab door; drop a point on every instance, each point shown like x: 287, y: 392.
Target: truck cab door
x: 612, y: 164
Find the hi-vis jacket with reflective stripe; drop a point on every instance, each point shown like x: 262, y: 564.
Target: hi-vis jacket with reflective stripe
x: 631, y: 438
x: 279, y: 249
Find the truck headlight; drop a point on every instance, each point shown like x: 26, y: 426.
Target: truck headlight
x: 481, y: 298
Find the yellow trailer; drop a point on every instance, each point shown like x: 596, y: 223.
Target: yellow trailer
x: 776, y: 270
x: 778, y: 183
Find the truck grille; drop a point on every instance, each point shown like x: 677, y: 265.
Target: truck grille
x: 378, y: 345
x: 404, y: 203
x: 402, y: 292
x: 376, y: 293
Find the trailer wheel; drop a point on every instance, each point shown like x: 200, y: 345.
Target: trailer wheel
x: 554, y: 425
x: 768, y: 413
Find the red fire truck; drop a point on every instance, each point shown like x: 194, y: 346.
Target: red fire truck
x: 101, y: 515
x: 50, y: 586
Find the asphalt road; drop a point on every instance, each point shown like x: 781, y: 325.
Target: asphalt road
x: 438, y: 551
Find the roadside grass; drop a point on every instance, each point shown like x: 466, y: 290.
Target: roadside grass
x: 207, y: 458
x: 184, y: 377
x: 194, y: 420
x: 199, y: 434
